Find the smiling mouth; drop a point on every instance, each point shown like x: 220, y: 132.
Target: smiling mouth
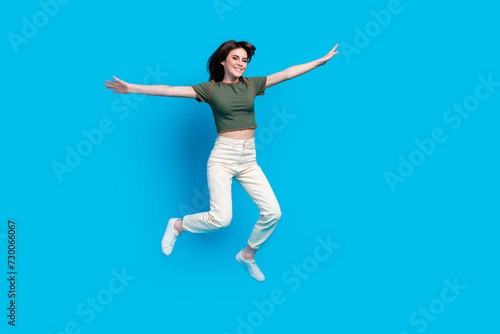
x: 238, y: 69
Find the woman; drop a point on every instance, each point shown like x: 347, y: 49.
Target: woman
x: 231, y: 98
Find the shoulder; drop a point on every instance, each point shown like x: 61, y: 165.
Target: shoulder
x: 206, y: 84
x: 203, y: 91
x: 258, y: 84
x: 255, y: 79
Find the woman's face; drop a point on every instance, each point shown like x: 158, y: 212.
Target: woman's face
x: 235, y: 63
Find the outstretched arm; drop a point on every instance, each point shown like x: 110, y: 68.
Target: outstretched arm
x: 297, y: 70
x: 159, y: 90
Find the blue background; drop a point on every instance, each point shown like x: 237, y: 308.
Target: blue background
x: 350, y: 121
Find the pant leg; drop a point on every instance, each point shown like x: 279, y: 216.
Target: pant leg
x: 256, y: 185
x: 220, y: 171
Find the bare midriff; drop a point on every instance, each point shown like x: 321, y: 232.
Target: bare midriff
x: 239, y: 134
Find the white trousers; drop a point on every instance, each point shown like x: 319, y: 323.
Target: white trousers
x: 236, y: 158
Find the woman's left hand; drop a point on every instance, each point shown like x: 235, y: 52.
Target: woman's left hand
x: 329, y: 55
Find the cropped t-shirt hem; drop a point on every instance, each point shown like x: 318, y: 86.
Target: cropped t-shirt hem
x: 237, y: 130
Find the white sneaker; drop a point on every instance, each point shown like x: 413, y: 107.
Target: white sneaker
x: 169, y: 238
x: 250, y: 267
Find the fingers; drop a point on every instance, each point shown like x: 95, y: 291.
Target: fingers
x: 330, y: 54
x: 333, y: 52
x: 113, y: 84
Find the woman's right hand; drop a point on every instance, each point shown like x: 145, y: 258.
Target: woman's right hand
x: 120, y: 86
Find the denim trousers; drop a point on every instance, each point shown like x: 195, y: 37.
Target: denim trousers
x: 236, y: 158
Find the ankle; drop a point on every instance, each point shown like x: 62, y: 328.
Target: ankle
x: 246, y: 257
x: 178, y: 226
x: 248, y: 253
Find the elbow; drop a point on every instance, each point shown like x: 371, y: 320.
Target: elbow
x: 287, y: 75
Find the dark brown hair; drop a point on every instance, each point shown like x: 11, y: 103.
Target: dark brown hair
x: 214, y: 66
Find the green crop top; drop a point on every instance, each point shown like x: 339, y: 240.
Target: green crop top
x: 232, y: 104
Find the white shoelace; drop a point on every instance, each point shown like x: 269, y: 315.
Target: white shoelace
x: 171, y: 239
x: 255, y: 269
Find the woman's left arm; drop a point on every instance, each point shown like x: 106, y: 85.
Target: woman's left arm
x: 297, y: 70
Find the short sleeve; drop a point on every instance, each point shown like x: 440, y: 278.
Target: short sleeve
x: 259, y: 84
x: 202, y: 91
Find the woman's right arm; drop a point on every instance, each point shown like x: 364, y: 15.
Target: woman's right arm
x: 159, y: 90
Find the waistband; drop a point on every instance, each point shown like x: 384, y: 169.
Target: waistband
x: 236, y: 142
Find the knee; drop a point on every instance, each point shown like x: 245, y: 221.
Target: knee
x: 276, y: 214
x: 223, y: 222
x: 273, y: 216
x: 220, y: 221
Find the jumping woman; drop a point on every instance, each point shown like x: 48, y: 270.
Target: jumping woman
x: 231, y: 97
